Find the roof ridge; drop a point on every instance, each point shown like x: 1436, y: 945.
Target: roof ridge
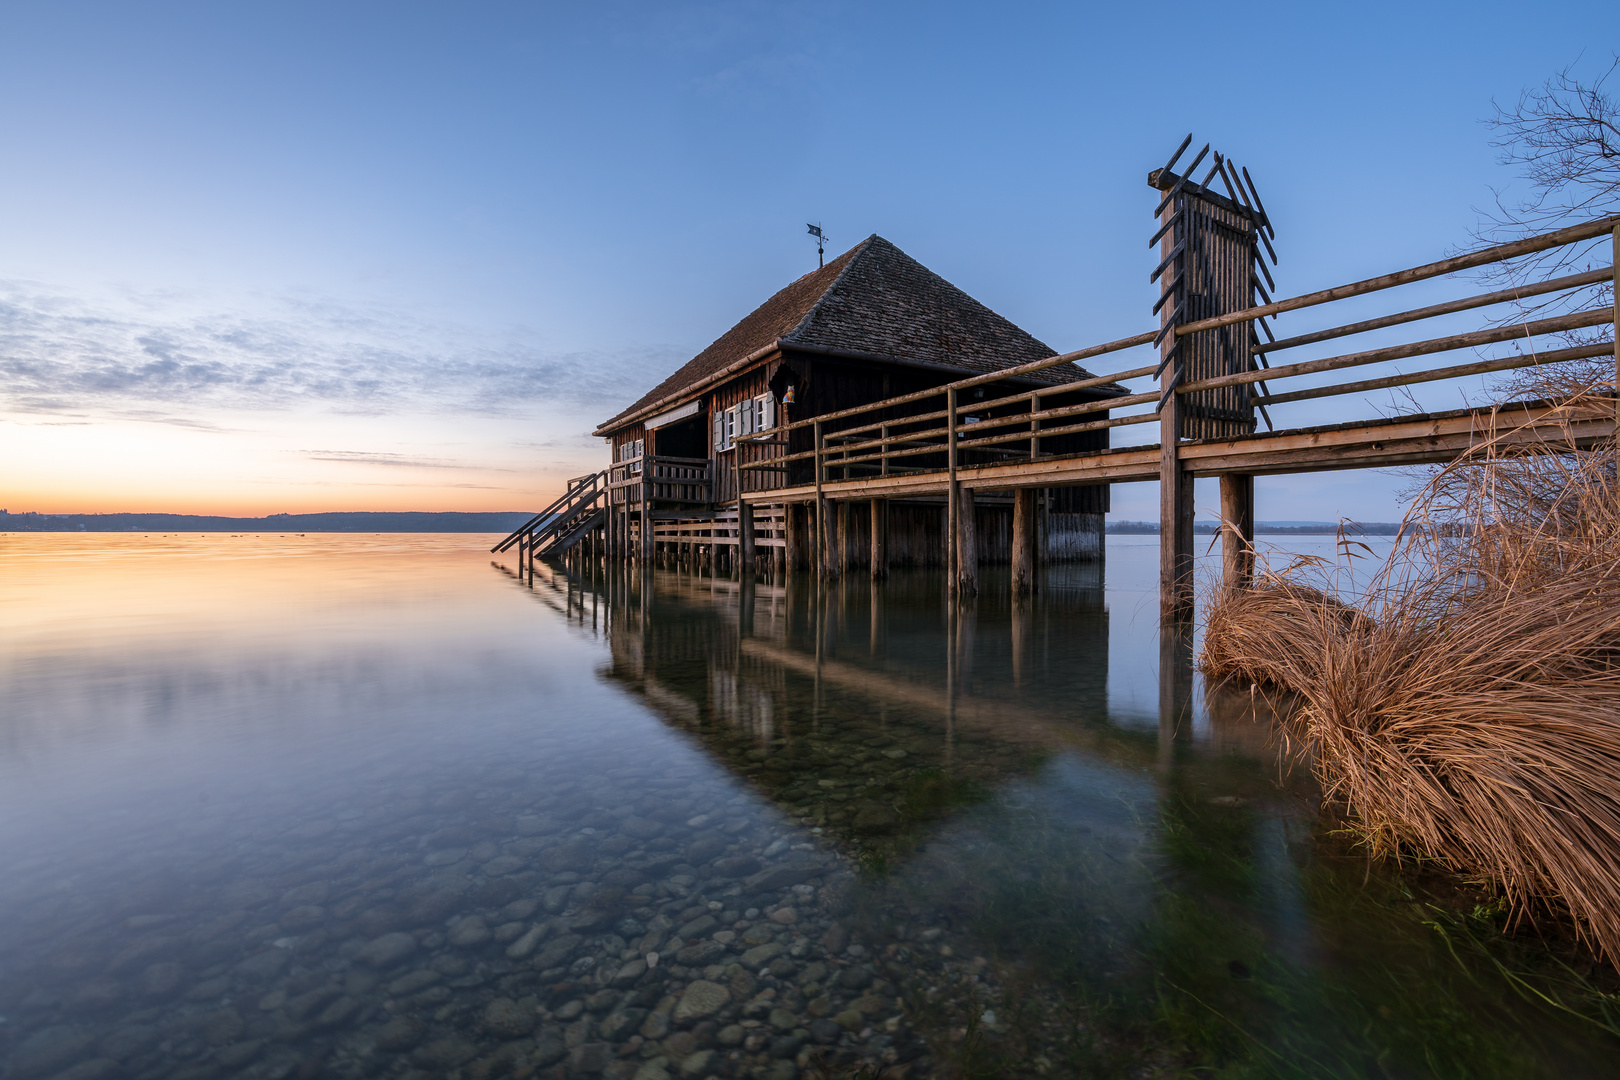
x: 854, y: 254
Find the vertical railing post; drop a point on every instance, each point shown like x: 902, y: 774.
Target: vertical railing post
x: 950, y: 489
x: 819, y: 548
x: 745, y: 538
x: 1175, y: 485
x: 884, y: 451
x: 646, y: 510
x: 1034, y: 425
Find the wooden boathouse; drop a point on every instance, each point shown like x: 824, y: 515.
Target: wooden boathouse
x: 870, y: 325
x: 872, y: 414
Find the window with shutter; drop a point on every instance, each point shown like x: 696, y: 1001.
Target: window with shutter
x: 765, y: 412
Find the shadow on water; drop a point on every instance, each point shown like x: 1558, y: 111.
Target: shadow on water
x: 1055, y: 893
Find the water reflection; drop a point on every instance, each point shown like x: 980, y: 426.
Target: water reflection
x: 367, y: 807
x: 1058, y: 891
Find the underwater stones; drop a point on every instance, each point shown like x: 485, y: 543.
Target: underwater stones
x: 701, y: 851
x: 701, y: 999
x: 642, y: 828
x: 699, y: 1064
x: 761, y: 955
x: 506, y: 1019
x: 400, y: 1033
x: 447, y: 1053
x: 444, y: 857
x: 224, y: 1026
x: 314, y: 892
x: 697, y: 928
x: 303, y: 916
x: 387, y: 950
x: 573, y: 855
x: 505, y: 864
x: 264, y: 965
x: 618, y: 1026
x: 48, y: 1049
x: 700, y: 953
x: 528, y: 942
x: 549, y: 1047
x: 419, y: 979
x: 735, y: 866
x: 589, y: 1058
x: 630, y: 973
x: 337, y: 1013
x: 786, y: 916
x: 780, y: 877
x: 555, y: 953
x: 468, y: 932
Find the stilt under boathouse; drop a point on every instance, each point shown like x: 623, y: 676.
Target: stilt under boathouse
x: 872, y: 325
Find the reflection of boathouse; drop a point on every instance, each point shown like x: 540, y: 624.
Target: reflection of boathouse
x: 841, y: 706
x: 871, y: 325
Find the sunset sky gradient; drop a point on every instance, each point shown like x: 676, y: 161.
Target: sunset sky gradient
x: 299, y: 257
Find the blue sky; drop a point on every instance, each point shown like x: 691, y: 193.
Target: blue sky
x: 262, y: 257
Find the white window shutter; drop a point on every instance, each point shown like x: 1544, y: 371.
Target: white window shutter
x: 719, y: 430
x: 745, y: 416
x: 766, y: 411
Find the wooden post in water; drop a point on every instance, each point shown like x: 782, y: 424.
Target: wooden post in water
x: 841, y: 512
x: 745, y: 537
x: 646, y: 512
x: 792, y: 556
x: 1175, y: 484
x: 967, y: 545
x: 880, y: 547
x: 1237, y: 531
x: 952, y: 495
x: 819, y: 544
x: 1023, y: 541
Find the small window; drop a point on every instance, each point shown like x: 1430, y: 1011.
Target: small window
x: 764, y: 412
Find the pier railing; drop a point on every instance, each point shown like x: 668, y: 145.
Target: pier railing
x: 886, y: 438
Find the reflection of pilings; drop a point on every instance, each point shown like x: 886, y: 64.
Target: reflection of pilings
x: 1023, y: 636
x: 1175, y: 685
x: 874, y: 633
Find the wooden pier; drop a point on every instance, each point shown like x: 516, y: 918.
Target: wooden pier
x: 824, y: 492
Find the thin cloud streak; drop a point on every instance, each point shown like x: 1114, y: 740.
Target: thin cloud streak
x: 65, y: 354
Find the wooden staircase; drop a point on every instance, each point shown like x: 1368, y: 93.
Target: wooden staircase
x: 581, y: 508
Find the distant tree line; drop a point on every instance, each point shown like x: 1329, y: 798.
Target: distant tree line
x: 354, y: 521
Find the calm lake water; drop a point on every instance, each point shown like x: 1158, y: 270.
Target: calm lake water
x: 375, y: 806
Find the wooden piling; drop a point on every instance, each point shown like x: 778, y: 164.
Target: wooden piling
x: 1023, y: 541
x: 745, y: 538
x: 967, y: 545
x: 1237, y: 530
x: 880, y: 528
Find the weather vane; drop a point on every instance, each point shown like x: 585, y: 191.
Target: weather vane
x: 821, y: 244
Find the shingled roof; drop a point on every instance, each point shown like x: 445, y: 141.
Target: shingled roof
x: 874, y: 300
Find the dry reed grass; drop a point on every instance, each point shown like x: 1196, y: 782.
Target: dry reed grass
x: 1466, y: 705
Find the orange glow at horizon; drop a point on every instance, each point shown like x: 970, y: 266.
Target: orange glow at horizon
x: 252, y: 465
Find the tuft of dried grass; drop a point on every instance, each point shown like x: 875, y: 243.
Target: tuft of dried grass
x: 1466, y: 704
